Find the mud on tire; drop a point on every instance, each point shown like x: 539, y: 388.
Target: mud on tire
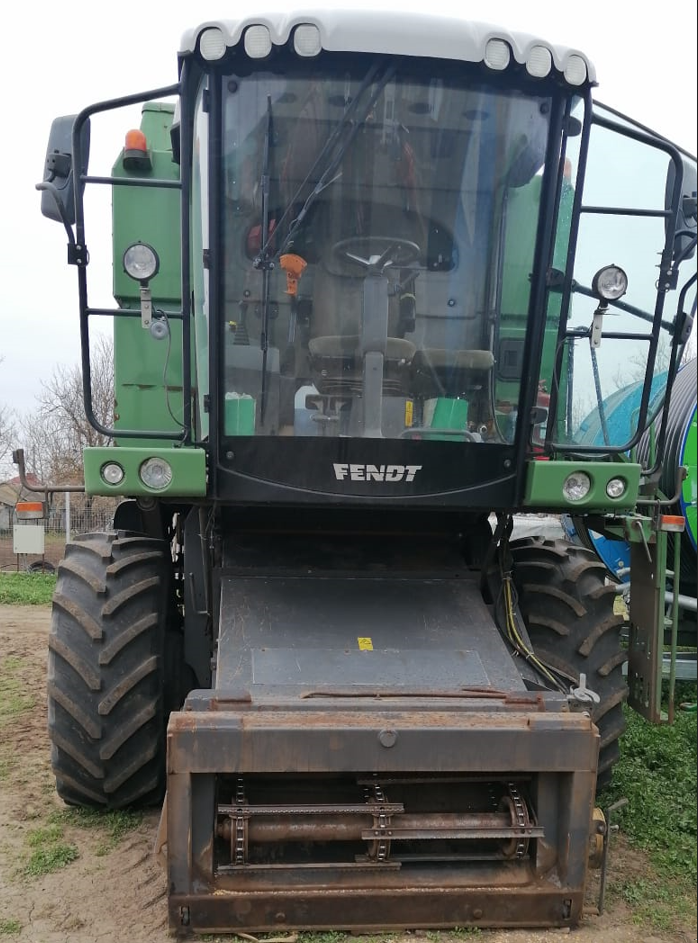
x: 106, y: 698
x: 568, y: 611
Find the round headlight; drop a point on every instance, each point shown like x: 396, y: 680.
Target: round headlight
x: 610, y: 283
x: 141, y: 262
x: 112, y: 473
x: 156, y: 473
x: 616, y: 487
x: 576, y: 486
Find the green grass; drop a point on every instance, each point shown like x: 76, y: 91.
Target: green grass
x: 112, y: 826
x: 49, y: 859
x: 26, y: 589
x: 10, y: 927
x: 328, y: 936
x: 48, y: 850
x: 15, y: 698
x: 657, y: 775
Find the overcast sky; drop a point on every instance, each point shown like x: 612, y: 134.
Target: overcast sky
x: 58, y: 59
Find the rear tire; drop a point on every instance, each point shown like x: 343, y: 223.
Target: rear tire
x: 569, y: 613
x: 106, y: 670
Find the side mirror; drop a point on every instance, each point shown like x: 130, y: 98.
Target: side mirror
x: 58, y: 197
x: 686, y: 216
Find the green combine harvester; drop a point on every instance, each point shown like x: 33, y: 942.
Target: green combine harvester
x: 371, y: 272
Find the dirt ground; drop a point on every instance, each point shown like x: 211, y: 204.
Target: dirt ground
x: 115, y: 892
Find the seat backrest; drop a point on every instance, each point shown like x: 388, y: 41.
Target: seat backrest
x: 449, y: 373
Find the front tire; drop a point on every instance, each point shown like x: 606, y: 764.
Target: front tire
x: 106, y: 670
x: 569, y: 612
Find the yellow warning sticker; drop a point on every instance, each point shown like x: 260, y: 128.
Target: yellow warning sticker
x: 365, y: 644
x: 409, y: 412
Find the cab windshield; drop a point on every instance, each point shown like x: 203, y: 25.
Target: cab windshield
x: 378, y: 239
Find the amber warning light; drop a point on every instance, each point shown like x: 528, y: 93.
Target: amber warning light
x: 672, y: 522
x: 136, y: 155
x: 29, y: 510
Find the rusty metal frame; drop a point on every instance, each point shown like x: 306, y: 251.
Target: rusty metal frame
x: 647, y: 625
x: 556, y: 751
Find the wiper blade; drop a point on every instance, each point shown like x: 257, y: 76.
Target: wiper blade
x: 329, y: 159
x: 264, y: 339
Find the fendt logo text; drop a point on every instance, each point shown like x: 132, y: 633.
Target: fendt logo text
x: 375, y: 472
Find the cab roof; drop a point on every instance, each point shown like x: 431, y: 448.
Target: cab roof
x: 351, y: 28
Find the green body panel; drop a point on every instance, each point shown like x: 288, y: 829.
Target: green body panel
x: 519, y: 244
x: 519, y: 249
x: 188, y: 471
x: 544, y: 481
x: 689, y: 492
x: 148, y: 372
x: 149, y: 214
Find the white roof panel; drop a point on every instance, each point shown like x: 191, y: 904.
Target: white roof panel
x: 374, y: 30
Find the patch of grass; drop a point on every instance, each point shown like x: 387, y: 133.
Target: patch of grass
x: 14, y: 697
x: 328, y: 936
x: 49, y: 859
x: 457, y: 933
x: 10, y: 927
x: 291, y: 936
x: 49, y: 834
x: 49, y: 851
x: 26, y: 589
x: 113, y: 825
x: 657, y: 775
x: 654, y: 903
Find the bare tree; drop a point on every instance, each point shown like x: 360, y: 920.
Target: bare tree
x: 7, y: 436
x: 56, y: 434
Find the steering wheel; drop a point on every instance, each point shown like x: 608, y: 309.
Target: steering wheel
x: 376, y: 252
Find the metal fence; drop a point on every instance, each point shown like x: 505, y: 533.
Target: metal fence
x: 45, y: 552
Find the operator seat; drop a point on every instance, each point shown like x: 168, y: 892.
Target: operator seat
x: 449, y: 373
x: 336, y: 364
x: 335, y: 347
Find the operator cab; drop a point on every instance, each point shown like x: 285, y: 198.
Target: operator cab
x: 365, y: 218
x: 379, y: 222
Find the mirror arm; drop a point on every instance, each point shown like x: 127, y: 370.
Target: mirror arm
x: 53, y: 190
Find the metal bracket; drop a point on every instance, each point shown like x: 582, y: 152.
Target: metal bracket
x: 146, y: 307
x: 606, y: 845
x: 596, y: 331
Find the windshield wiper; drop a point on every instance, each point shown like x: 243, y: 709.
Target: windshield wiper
x: 264, y: 183
x: 329, y: 159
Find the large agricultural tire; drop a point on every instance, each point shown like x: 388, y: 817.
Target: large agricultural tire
x: 107, y: 707
x: 568, y: 610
